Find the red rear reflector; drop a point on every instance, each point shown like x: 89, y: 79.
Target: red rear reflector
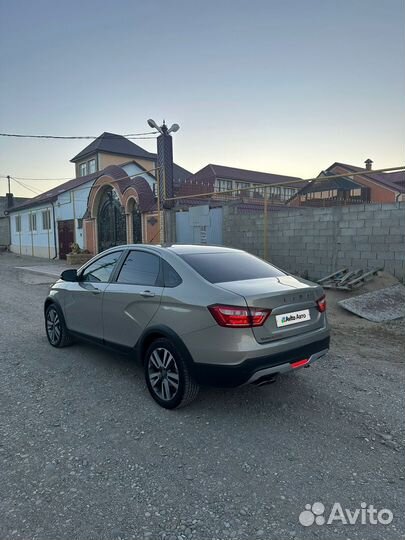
x: 238, y: 317
x: 299, y: 363
x: 321, y: 304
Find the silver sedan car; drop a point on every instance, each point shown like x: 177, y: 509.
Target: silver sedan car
x: 192, y: 315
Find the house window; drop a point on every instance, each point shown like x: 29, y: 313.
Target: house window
x: 288, y: 192
x: 223, y: 185
x: 258, y: 193
x: 274, y: 192
x: 18, y: 223
x: 82, y: 169
x: 80, y: 223
x: 46, y: 220
x: 92, y: 166
x: 242, y: 186
x: 355, y: 192
x: 33, y: 222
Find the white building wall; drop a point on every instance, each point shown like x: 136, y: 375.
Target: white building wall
x: 38, y: 243
x: 73, y: 205
x: 41, y: 243
x: 69, y: 205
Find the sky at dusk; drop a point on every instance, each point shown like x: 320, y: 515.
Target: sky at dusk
x: 282, y: 86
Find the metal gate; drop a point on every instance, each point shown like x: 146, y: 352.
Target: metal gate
x: 111, y: 223
x: 199, y: 225
x: 66, y: 236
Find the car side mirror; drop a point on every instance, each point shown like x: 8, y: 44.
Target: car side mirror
x: 69, y: 275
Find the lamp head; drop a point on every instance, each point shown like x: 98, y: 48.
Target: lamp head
x: 153, y: 124
x: 174, y: 128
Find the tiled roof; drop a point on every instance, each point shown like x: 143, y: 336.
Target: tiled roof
x: 117, y: 144
x: 145, y: 194
x: 114, y: 171
x: 386, y: 179
x: 113, y: 144
x: 179, y: 173
x: 211, y: 172
x: 203, y: 182
x: 396, y: 177
x: 333, y: 183
x: 52, y: 194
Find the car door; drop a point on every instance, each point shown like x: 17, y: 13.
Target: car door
x: 83, y: 301
x: 132, y: 299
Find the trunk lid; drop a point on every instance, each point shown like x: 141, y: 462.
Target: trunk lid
x: 283, y: 295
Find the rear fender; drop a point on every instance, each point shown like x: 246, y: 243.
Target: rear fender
x: 162, y: 331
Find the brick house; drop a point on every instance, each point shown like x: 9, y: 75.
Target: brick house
x: 368, y: 187
x: 218, y: 179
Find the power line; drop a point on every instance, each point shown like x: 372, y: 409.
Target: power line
x: 90, y: 188
x: 33, y: 190
x: 41, y: 179
x: 74, y: 137
x: 37, y: 192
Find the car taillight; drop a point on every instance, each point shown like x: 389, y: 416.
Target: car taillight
x: 321, y: 304
x: 299, y: 363
x: 239, y: 317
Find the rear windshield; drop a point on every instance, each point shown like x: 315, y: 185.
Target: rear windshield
x: 230, y: 266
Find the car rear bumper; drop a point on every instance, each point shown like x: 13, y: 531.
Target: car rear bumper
x: 257, y: 370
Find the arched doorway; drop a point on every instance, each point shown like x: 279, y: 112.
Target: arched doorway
x: 111, y: 223
x: 116, y: 209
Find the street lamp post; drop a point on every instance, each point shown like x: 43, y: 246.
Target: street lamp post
x: 164, y: 165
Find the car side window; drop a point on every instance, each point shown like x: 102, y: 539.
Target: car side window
x: 100, y: 271
x: 170, y: 276
x: 140, y: 268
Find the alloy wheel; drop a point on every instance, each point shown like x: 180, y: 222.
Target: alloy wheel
x: 163, y: 374
x: 53, y: 326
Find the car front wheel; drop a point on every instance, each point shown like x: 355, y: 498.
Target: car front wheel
x: 167, y: 375
x: 56, y: 331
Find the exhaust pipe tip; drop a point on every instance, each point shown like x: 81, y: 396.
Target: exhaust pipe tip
x: 266, y: 379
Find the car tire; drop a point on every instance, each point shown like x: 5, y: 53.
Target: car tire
x: 55, y: 327
x: 168, y: 376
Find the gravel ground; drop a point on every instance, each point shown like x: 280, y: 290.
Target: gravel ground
x: 85, y: 453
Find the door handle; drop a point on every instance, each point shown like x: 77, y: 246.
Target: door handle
x: 96, y: 291
x: 147, y: 294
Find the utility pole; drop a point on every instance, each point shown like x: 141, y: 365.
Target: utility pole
x: 165, y: 178
x: 9, y: 195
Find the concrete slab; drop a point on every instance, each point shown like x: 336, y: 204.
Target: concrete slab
x: 378, y: 306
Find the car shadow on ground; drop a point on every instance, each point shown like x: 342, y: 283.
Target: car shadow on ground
x: 107, y: 366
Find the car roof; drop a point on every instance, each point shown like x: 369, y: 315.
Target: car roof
x: 182, y: 249
x: 178, y: 249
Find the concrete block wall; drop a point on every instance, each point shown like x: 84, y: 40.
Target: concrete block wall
x: 317, y: 241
